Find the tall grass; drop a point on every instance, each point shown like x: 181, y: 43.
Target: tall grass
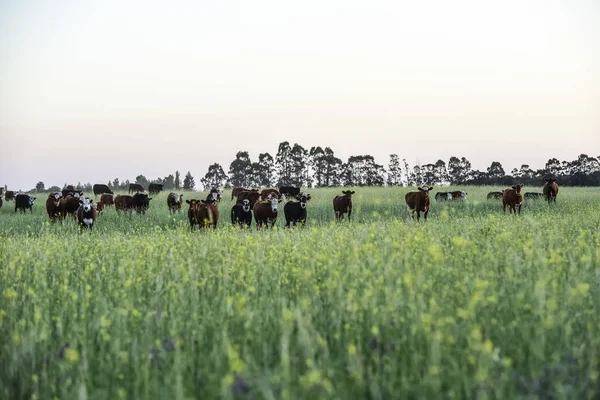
x: 471, y: 304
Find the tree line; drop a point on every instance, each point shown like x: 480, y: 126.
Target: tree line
x: 295, y: 165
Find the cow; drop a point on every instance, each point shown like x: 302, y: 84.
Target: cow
x: 174, y: 201
x: 123, y: 202
x: 241, y: 213
x: 107, y: 199
x: 418, y: 201
x: 266, y: 194
x: 218, y: 192
x: 295, y: 211
x: 99, y: 188
x: 237, y: 190
x: 69, y: 187
x: 68, y: 205
x: 513, y: 198
x: 140, y: 202
x: 53, y: 206
x: 99, y: 208
x: 289, y: 190
x: 252, y: 195
x: 155, y: 188
x: 86, y: 214
x: 551, y: 189
x: 342, y: 204
x: 9, y: 195
x: 206, y: 212
x: 135, y: 187
x: 72, y: 192
x: 533, y: 195
x: 265, y: 212
x: 494, y: 195
x: 455, y: 195
x: 24, y: 202
x: 192, y: 212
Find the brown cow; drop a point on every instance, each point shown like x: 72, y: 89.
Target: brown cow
x: 494, y: 195
x: 551, y: 190
x: 418, y: 201
x: 236, y: 192
x: 266, y: 194
x: 174, y: 201
x: 107, y: 199
x: 9, y: 195
x: 123, y: 202
x: 265, y: 212
x: 252, y: 195
x: 512, y: 198
x: 68, y: 205
x: 206, y: 212
x: 99, y: 208
x: 192, y: 212
x: 342, y: 204
x: 135, y: 187
x: 53, y: 206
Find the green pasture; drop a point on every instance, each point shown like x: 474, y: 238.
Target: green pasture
x: 470, y: 304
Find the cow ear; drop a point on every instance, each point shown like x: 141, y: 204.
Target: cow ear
x: 352, y: 192
x: 308, y: 197
x: 514, y: 187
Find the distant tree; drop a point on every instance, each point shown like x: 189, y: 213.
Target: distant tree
x: 440, y: 173
x: 54, y: 189
x: 428, y: 174
x: 394, y: 177
x: 333, y: 167
x: 115, y: 184
x: 214, y: 178
x: 263, y: 171
x: 417, y: 175
x: 240, y: 170
x: 283, y: 164
x: 363, y: 171
x: 553, y: 167
x: 188, y: 181
x: 169, y: 182
x: 298, y: 166
x: 407, y: 175
x: 40, y: 187
x: 177, y: 180
x: 459, y: 170
x: 141, y: 180
x: 495, y: 171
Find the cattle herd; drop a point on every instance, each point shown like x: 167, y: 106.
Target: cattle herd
x: 260, y: 205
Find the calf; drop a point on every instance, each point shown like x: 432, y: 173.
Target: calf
x: 241, y: 213
x: 68, y: 205
x: 512, y: 198
x: 174, y: 201
x: 418, y: 201
x: 140, y: 202
x: 295, y: 211
x: 265, y: 212
x: 494, y: 195
x: 551, y: 190
x: 99, y: 208
x: 192, y: 212
x: 207, y: 213
x: 24, y: 202
x: 342, y: 204
x: 533, y: 195
x: 86, y: 214
x: 53, y: 206
x: 289, y: 190
x: 107, y: 199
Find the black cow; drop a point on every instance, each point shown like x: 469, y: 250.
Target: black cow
x: 24, y: 202
x: 72, y: 192
x: 289, y: 190
x: 140, y: 202
x: 9, y: 195
x: 135, y: 187
x: 241, y: 213
x: 295, y: 211
x: 155, y: 188
x: 86, y: 214
x: 101, y: 189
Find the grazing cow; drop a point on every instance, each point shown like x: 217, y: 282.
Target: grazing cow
x: 123, y: 202
x: 135, y: 187
x: 140, y: 202
x: 206, y: 212
x: 24, y: 202
x: 295, y: 211
x: 269, y: 193
x: 9, y: 195
x: 68, y: 205
x: 551, y: 189
x: 155, y: 188
x: 512, y: 198
x: 418, y: 201
x: 86, y: 214
x: 53, y: 206
x: 456, y: 195
x: 192, y: 212
x: 107, y: 199
x: 289, y: 190
x: 252, y: 195
x: 218, y: 193
x: 494, y: 195
x: 99, y: 188
x: 99, y: 208
x: 265, y: 212
x: 241, y: 213
x: 174, y: 201
x: 342, y: 204
x: 533, y: 195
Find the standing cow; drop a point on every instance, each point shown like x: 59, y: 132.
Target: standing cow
x: 86, y: 214
x: 192, y: 212
x: 155, y: 188
x: 68, y: 205
x: 295, y: 211
x: 265, y: 212
x: 107, y: 199
x: 418, y: 201
x: 174, y: 201
x: 206, y: 212
x: 24, y: 202
x: 135, y: 187
x: 512, y: 198
x: 241, y: 213
x: 289, y: 190
x: 9, y: 195
x: 494, y: 195
x: 342, y: 204
x: 53, y: 206
x: 551, y: 190
x: 99, y: 188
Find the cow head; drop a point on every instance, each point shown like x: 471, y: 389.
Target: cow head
x: 177, y: 198
x: 246, y: 205
x: 348, y: 193
x: 212, y: 197
x: 31, y: 200
x: 303, y: 198
x: 518, y: 188
x: 462, y: 195
x: 218, y: 193
x: 274, y: 204
x: 425, y: 188
x: 192, y: 202
x: 550, y: 180
x: 86, y: 204
x: 99, y: 207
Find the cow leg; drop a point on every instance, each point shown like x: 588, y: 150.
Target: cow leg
x: 287, y: 223
x: 418, y: 215
x: 425, y: 215
x: 504, y: 208
x: 519, y: 209
x: 349, y: 213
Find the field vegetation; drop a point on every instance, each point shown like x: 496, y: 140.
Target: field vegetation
x: 470, y: 304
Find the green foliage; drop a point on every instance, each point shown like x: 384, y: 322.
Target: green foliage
x: 472, y: 303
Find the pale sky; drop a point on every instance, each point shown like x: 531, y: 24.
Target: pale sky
x: 90, y: 91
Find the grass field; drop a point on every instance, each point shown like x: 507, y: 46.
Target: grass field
x: 471, y: 304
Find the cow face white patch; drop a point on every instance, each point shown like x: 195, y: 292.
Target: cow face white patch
x: 86, y: 204
x: 76, y: 195
x: 57, y: 196
x: 463, y: 195
x: 274, y: 205
x: 303, y: 204
x: 31, y: 200
x: 246, y: 205
x: 88, y: 221
x: 177, y: 198
x: 449, y: 196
